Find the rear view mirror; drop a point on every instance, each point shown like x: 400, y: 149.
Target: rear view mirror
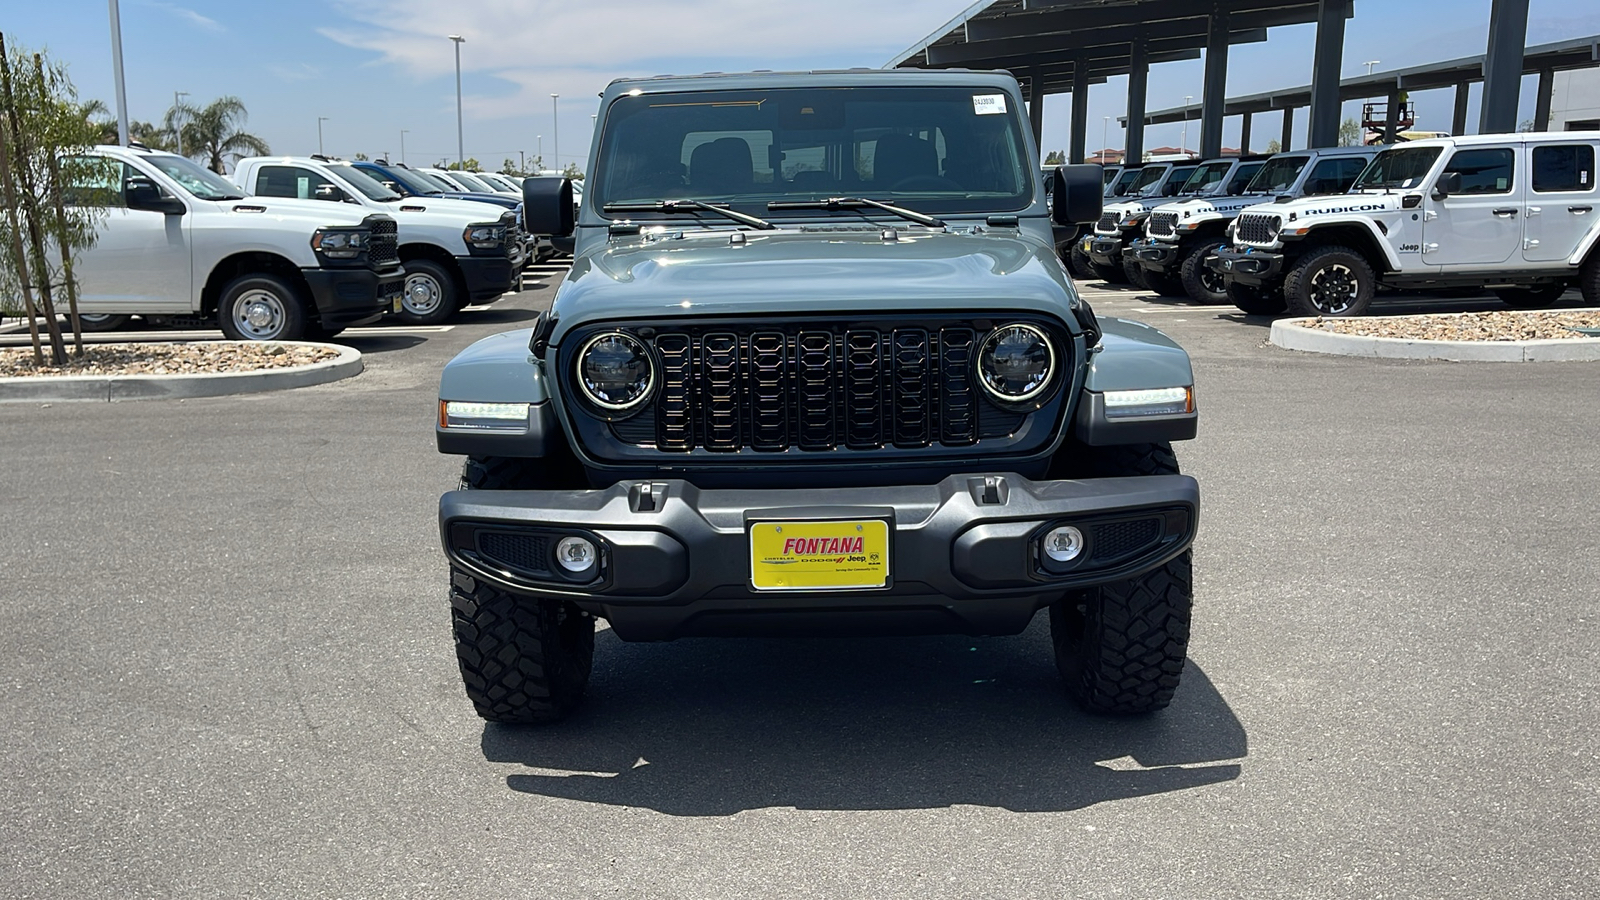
x: 1076, y: 194
x: 547, y: 206
x: 1449, y: 183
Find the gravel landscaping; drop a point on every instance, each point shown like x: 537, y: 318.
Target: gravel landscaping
x: 199, y: 358
x: 1485, y: 326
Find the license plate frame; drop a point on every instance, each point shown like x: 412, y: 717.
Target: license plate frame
x: 847, y: 553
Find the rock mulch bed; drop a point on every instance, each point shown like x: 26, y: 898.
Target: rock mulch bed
x: 1485, y: 326
x: 166, y: 359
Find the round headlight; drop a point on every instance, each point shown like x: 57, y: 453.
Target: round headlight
x: 615, y: 371
x: 1274, y: 225
x: 1016, y: 363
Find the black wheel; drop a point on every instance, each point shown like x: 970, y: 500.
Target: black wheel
x: 1134, y: 273
x: 1257, y: 301
x: 1589, y: 279
x: 1079, y: 264
x: 1109, y: 274
x: 1120, y: 647
x: 1164, y: 284
x: 522, y: 660
x: 1541, y: 297
x: 101, y: 321
x: 430, y: 294
x: 1200, y: 282
x: 1330, y: 281
x: 261, y: 308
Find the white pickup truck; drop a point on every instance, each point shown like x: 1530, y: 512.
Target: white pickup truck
x: 454, y: 251
x: 179, y: 243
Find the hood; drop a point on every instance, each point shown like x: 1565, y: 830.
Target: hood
x: 830, y: 270
x: 1338, y: 204
x: 287, y: 209
x: 440, y: 209
x: 1198, y: 206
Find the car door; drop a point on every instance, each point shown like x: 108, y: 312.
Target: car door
x: 1480, y: 226
x: 1561, y: 200
x: 298, y: 182
x: 140, y: 261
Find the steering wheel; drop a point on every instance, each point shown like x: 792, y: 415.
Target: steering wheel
x: 925, y: 183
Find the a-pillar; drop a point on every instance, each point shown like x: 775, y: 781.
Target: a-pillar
x: 1080, y: 110
x: 1215, y: 89
x: 1502, y: 67
x: 1035, y: 98
x: 1138, y: 81
x: 1287, y: 140
x: 1541, y: 107
x: 1244, y: 133
x: 1325, y: 103
x: 1458, y: 125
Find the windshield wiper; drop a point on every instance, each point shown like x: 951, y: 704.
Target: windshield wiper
x: 671, y: 206
x: 857, y: 203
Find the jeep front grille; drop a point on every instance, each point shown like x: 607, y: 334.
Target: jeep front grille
x: 1163, y: 224
x: 1107, y: 224
x: 383, y: 247
x: 1256, y: 228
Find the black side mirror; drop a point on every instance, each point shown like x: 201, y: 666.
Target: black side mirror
x: 1076, y: 194
x: 547, y: 206
x: 143, y: 194
x: 329, y: 192
x: 1449, y: 183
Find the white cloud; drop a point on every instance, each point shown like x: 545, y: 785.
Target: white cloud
x: 190, y: 16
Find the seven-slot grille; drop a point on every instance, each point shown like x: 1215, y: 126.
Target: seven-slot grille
x: 383, y: 246
x: 1107, y: 223
x: 1163, y: 224
x: 1254, y: 228
x: 815, y: 387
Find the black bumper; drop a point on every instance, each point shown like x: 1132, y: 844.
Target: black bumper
x: 487, y: 277
x: 964, y: 554
x: 1157, y: 255
x: 1107, y: 251
x: 346, y: 297
x: 1249, y: 266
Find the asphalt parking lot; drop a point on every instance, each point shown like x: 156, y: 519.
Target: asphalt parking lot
x: 228, y: 669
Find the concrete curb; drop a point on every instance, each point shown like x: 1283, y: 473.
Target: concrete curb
x: 67, y: 388
x: 1293, y: 334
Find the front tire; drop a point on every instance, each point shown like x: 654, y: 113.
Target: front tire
x: 1256, y: 301
x: 261, y: 308
x: 430, y: 294
x: 522, y: 661
x: 1330, y: 281
x: 1542, y: 297
x: 1201, y: 282
x: 1134, y: 274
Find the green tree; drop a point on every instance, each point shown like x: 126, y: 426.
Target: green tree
x: 215, y: 132
x: 1349, y: 133
x: 1274, y: 147
x: 360, y: 157
x: 1055, y: 158
x: 104, y: 124
x: 469, y: 165
x: 572, y: 171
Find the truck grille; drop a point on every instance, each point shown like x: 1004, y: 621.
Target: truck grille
x: 1107, y: 224
x: 1255, y: 228
x: 1163, y: 224
x: 819, y: 387
x: 384, y: 245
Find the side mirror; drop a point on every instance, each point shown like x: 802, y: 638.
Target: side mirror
x: 1075, y: 195
x: 547, y: 206
x: 329, y: 192
x: 1449, y: 183
x: 143, y: 194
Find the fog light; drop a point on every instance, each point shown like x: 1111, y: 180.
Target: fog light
x: 576, y: 554
x: 1063, y: 544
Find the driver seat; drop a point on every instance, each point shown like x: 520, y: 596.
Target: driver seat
x: 901, y: 156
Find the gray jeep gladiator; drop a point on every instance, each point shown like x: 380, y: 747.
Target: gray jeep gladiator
x: 816, y: 369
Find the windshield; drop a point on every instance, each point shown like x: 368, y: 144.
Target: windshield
x: 415, y: 182
x: 1125, y: 181
x: 202, y: 183
x: 931, y: 149
x: 1400, y: 168
x: 1278, y: 175
x: 1146, y: 179
x: 434, y: 182
x: 370, y: 187
x: 1206, y: 178
x: 471, y: 183
x: 1170, y: 185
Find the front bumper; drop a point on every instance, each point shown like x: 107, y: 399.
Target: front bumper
x: 1105, y: 250
x: 1248, y: 266
x: 964, y: 554
x: 1156, y: 255
x: 346, y: 297
x: 487, y: 277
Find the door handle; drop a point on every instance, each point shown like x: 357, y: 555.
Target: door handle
x: 1505, y: 213
x: 1580, y: 210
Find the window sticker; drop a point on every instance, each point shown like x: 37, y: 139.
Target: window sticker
x: 989, y: 104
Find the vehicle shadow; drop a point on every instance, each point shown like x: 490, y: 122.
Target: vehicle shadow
x: 379, y: 343
x: 496, y: 315
x: 715, y: 727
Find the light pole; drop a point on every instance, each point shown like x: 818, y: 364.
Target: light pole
x: 320, y: 120
x: 403, y: 145
x: 461, y: 156
x: 1183, y: 145
x: 116, y: 68
x: 177, y: 127
x: 1370, y: 63
x: 523, y: 165
x: 555, y: 140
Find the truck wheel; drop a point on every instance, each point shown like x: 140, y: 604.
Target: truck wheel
x: 261, y: 308
x: 1164, y: 284
x: 1257, y: 301
x: 522, y: 660
x: 1133, y: 273
x: 1120, y: 647
x: 1078, y: 263
x: 1200, y: 282
x: 429, y: 296
x: 1541, y: 297
x: 101, y: 321
x: 1108, y: 274
x: 1589, y: 279
x: 1330, y: 281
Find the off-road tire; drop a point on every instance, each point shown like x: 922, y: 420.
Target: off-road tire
x: 1108, y: 274
x: 1542, y: 297
x: 523, y: 661
x: 1255, y: 300
x: 1308, y: 281
x: 1078, y: 262
x: 1134, y: 274
x: 1200, y: 283
x: 441, y: 286
x: 284, y: 315
x: 1120, y: 648
x: 1164, y: 284
x: 1589, y: 278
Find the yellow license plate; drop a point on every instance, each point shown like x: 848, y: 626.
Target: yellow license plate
x: 819, y: 556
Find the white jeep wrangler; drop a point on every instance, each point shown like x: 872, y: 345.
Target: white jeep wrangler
x: 1181, y: 236
x: 1512, y: 213
x: 454, y: 251
x: 1122, y: 221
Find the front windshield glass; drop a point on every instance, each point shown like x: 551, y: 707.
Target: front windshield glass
x: 1401, y: 168
x: 472, y: 183
x: 1146, y: 179
x: 415, y: 182
x: 1170, y: 186
x: 1278, y: 175
x: 1206, y: 178
x: 202, y: 183
x: 931, y: 149
x: 1125, y: 181
x: 371, y: 187
x: 435, y: 183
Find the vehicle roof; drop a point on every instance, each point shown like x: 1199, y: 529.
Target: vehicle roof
x: 298, y: 160
x: 1530, y: 137
x: 815, y: 78
x: 1331, y: 151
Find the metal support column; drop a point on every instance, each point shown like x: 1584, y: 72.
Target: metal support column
x: 1080, y: 110
x: 1458, y: 125
x: 1502, y: 67
x: 1325, y: 104
x: 1288, y: 130
x: 1541, y: 107
x: 1391, y: 123
x: 1214, y: 99
x: 1036, y: 107
x: 1244, y: 134
x: 1138, y: 81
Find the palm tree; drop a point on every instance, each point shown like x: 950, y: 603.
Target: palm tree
x: 156, y: 137
x: 213, y: 132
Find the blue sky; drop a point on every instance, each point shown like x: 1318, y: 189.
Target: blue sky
x: 375, y: 68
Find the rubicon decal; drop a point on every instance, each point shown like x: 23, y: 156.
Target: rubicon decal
x: 1365, y: 207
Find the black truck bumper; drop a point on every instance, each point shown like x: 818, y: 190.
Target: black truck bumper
x: 346, y: 297
x: 487, y: 277
x: 1107, y: 251
x: 1248, y: 266
x: 964, y: 555
x: 1159, y: 256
